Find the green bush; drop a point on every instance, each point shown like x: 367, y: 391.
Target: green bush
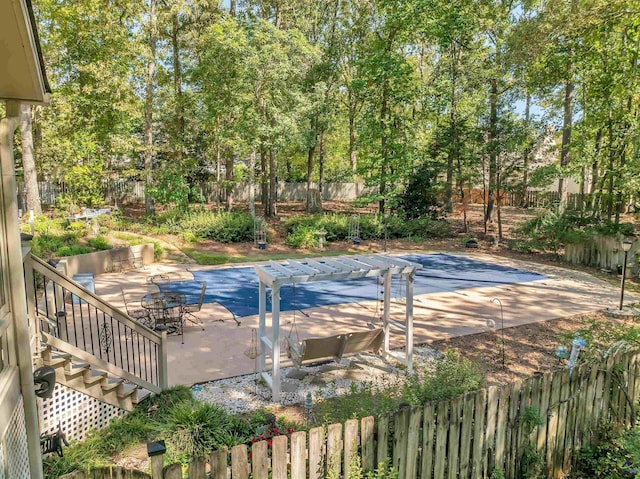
x: 223, y: 227
x: 452, y: 375
x: 613, y: 454
x: 303, y: 237
x: 73, y: 250
x: 99, y: 243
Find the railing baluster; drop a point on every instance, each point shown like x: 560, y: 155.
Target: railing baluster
x: 144, y: 358
x: 90, y: 330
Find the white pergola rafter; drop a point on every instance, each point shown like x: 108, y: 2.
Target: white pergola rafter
x: 276, y: 274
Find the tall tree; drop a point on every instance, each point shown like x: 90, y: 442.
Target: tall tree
x: 28, y: 160
x: 150, y: 85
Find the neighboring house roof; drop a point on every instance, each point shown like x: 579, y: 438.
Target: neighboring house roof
x: 22, y: 72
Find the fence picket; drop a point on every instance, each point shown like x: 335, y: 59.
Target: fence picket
x: 218, y: 461
x: 558, y: 450
x: 501, y: 429
x: 260, y: 460
x: 400, y: 430
x: 413, y: 443
x: 279, y: 457
x: 465, y: 435
x: 316, y: 460
x: 488, y: 461
x: 351, y: 444
x: 368, y: 444
x: 454, y: 438
x: 511, y: 437
x: 299, y: 455
x: 428, y: 441
x: 172, y: 471
x: 239, y: 462
x: 334, y: 447
x: 554, y: 408
x: 478, y: 456
x: 383, y: 439
x: 197, y: 468
x: 441, y: 439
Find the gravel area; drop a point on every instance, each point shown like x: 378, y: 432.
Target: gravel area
x: 248, y: 393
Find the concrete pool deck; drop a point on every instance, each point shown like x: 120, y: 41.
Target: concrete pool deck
x: 219, y: 351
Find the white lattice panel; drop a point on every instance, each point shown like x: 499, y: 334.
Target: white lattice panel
x: 2, y: 465
x: 14, y: 446
x: 75, y: 412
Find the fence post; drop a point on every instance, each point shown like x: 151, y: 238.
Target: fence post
x: 162, y: 361
x: 155, y: 451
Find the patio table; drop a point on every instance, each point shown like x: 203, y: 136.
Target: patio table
x: 166, y: 309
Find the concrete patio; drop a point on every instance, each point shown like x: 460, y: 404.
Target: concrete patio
x: 219, y: 351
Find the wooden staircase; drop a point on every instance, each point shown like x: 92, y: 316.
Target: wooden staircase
x: 94, y: 348
x: 93, y: 382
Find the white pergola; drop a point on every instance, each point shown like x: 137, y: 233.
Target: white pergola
x: 276, y: 274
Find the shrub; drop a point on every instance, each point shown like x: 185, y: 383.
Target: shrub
x: 223, y: 227
x: 303, y: 237
x: 72, y: 250
x: 79, y: 228
x: 452, y: 375
x: 99, y: 243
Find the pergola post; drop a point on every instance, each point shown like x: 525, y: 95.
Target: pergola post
x: 386, y: 308
x: 262, y: 329
x: 275, y: 329
x: 409, y: 320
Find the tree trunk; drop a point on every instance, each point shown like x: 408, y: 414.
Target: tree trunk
x: 264, y: 183
x: 611, y: 163
x: 273, y: 183
x: 595, y: 171
x: 493, y: 152
x: 321, y: 163
x: 28, y: 161
x: 252, y: 181
x: 453, y: 139
x: 383, y: 149
x: 148, y: 108
x: 177, y: 89
x: 527, y: 153
x: 353, y: 155
x: 232, y: 8
x: 229, y: 177
x: 310, y: 154
x: 567, y: 124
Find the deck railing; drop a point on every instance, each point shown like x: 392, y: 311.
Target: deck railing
x: 73, y: 320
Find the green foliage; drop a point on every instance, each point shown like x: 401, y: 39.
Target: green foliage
x: 421, y: 197
x: 171, y: 188
x: 614, y: 453
x: 530, y: 460
x: 364, y: 399
x: 189, y: 427
x: 99, y: 243
x: 452, y: 376
x: 223, y: 227
x: 372, y: 226
x: 303, y: 237
x: 84, y: 187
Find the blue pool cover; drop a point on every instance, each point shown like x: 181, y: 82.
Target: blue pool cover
x: 237, y: 288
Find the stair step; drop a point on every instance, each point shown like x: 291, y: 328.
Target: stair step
x: 127, y: 390
x: 72, y: 370
x: 111, y: 383
x: 141, y: 395
x: 94, y: 376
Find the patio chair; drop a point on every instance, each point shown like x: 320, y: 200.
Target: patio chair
x: 190, y: 309
x: 139, y: 314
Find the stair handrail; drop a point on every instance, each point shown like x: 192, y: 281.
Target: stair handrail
x: 91, y: 298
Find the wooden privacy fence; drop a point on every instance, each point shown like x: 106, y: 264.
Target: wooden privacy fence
x: 600, y: 251
x: 542, y: 421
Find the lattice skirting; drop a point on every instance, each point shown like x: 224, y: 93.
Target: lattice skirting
x: 14, y: 455
x: 75, y: 412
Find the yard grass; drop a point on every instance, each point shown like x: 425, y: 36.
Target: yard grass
x: 205, y: 257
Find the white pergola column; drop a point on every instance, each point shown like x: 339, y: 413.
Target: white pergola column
x: 410, y: 277
x: 262, y: 328
x: 275, y: 329
x: 386, y: 309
